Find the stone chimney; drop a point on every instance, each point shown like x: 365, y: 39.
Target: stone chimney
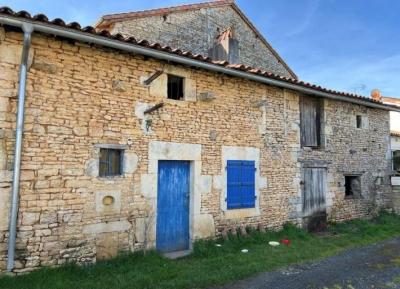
x: 376, y: 95
x: 225, y: 47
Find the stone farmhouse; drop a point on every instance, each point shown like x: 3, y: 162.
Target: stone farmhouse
x: 111, y: 143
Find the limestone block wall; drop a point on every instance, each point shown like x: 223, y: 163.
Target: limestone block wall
x: 196, y: 30
x: 349, y: 150
x: 82, y: 98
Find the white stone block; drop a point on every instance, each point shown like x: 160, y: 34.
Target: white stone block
x: 159, y: 150
x: 190, y: 89
x: 130, y: 163
x: 263, y: 183
x: 117, y: 226
x: 92, y: 167
x: 140, y: 225
x: 104, y: 207
x: 140, y: 107
x: 205, y: 184
x: 203, y: 226
x: 218, y: 182
x: 148, y: 185
x: 395, y: 181
x: 4, y: 207
x: 159, y: 87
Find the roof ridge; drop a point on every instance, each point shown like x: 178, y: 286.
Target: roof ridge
x: 147, y: 12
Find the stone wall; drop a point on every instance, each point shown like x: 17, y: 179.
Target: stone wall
x: 349, y: 150
x: 395, y: 179
x: 81, y: 98
x: 196, y: 30
x: 396, y: 198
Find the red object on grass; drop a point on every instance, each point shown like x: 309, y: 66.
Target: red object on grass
x: 285, y: 242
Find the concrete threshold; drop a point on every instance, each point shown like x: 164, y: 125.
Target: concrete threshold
x: 177, y: 254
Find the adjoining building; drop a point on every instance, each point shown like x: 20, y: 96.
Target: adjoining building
x: 394, y: 143
x: 129, y: 144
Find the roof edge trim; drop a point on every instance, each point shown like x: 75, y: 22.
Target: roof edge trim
x: 82, y: 36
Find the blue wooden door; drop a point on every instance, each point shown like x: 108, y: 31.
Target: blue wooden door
x: 173, y: 206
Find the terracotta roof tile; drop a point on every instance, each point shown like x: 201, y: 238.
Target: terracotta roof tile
x: 162, y: 11
x: 40, y: 18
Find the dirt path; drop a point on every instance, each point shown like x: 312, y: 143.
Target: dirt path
x: 376, y: 266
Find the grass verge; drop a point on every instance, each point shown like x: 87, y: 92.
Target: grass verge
x: 209, y: 264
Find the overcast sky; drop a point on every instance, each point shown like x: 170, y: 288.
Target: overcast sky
x: 349, y: 45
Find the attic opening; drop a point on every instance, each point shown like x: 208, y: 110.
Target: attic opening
x: 311, y: 121
x: 359, y: 121
x: 175, y: 87
x: 225, y: 46
x: 352, y: 186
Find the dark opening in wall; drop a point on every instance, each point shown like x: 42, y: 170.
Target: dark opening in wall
x: 352, y: 186
x: 396, y: 161
x: 175, y: 87
x: 359, y: 121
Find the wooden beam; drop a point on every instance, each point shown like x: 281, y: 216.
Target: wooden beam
x: 153, y: 77
x: 153, y: 108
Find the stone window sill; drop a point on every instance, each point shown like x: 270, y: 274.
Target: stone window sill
x: 310, y: 149
x: 351, y: 198
x: 178, y: 102
x: 111, y: 178
x: 240, y: 213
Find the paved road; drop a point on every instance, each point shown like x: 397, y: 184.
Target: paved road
x: 376, y: 266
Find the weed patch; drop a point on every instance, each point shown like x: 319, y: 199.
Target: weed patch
x: 213, y: 262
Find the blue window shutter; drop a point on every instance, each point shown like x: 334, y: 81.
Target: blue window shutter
x: 234, y: 199
x: 240, y: 184
x: 248, y: 184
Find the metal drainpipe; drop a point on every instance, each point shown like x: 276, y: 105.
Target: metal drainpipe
x: 23, y: 70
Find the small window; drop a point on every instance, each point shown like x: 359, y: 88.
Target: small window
x: 396, y: 161
x: 359, y: 121
x: 240, y: 184
x: 110, y: 163
x: 352, y: 186
x: 175, y: 87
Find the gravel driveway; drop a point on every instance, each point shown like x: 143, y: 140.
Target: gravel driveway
x: 375, y: 266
